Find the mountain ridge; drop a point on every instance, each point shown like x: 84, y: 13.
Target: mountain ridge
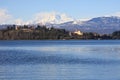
x: 101, y: 25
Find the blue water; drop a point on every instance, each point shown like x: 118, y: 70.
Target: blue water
x: 60, y: 60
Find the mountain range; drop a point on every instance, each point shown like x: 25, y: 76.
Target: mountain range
x: 101, y: 25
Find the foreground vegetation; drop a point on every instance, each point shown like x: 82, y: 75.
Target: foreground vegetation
x: 44, y: 33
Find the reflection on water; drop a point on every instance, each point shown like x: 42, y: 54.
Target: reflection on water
x: 69, y: 61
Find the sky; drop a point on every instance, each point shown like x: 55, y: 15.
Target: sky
x: 26, y: 10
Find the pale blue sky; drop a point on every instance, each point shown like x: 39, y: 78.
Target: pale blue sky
x: 75, y: 8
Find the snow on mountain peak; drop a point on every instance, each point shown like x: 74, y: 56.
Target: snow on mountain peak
x: 52, y: 18
x: 78, y: 22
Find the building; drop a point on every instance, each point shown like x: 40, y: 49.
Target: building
x: 78, y: 32
x: 16, y: 27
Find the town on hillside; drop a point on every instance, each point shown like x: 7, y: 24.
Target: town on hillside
x: 42, y: 32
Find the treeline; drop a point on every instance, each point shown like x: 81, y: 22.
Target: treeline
x: 95, y: 36
x: 30, y: 33
x: 43, y: 33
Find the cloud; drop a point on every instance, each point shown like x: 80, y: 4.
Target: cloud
x: 4, y: 16
x: 44, y: 18
x: 41, y: 18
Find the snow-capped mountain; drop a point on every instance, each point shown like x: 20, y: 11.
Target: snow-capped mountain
x: 102, y: 25
x: 51, y: 18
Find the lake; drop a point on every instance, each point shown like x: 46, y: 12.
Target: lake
x: 60, y: 60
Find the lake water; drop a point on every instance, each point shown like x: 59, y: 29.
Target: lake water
x: 60, y: 60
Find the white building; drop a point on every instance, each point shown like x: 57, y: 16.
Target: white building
x: 78, y: 32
